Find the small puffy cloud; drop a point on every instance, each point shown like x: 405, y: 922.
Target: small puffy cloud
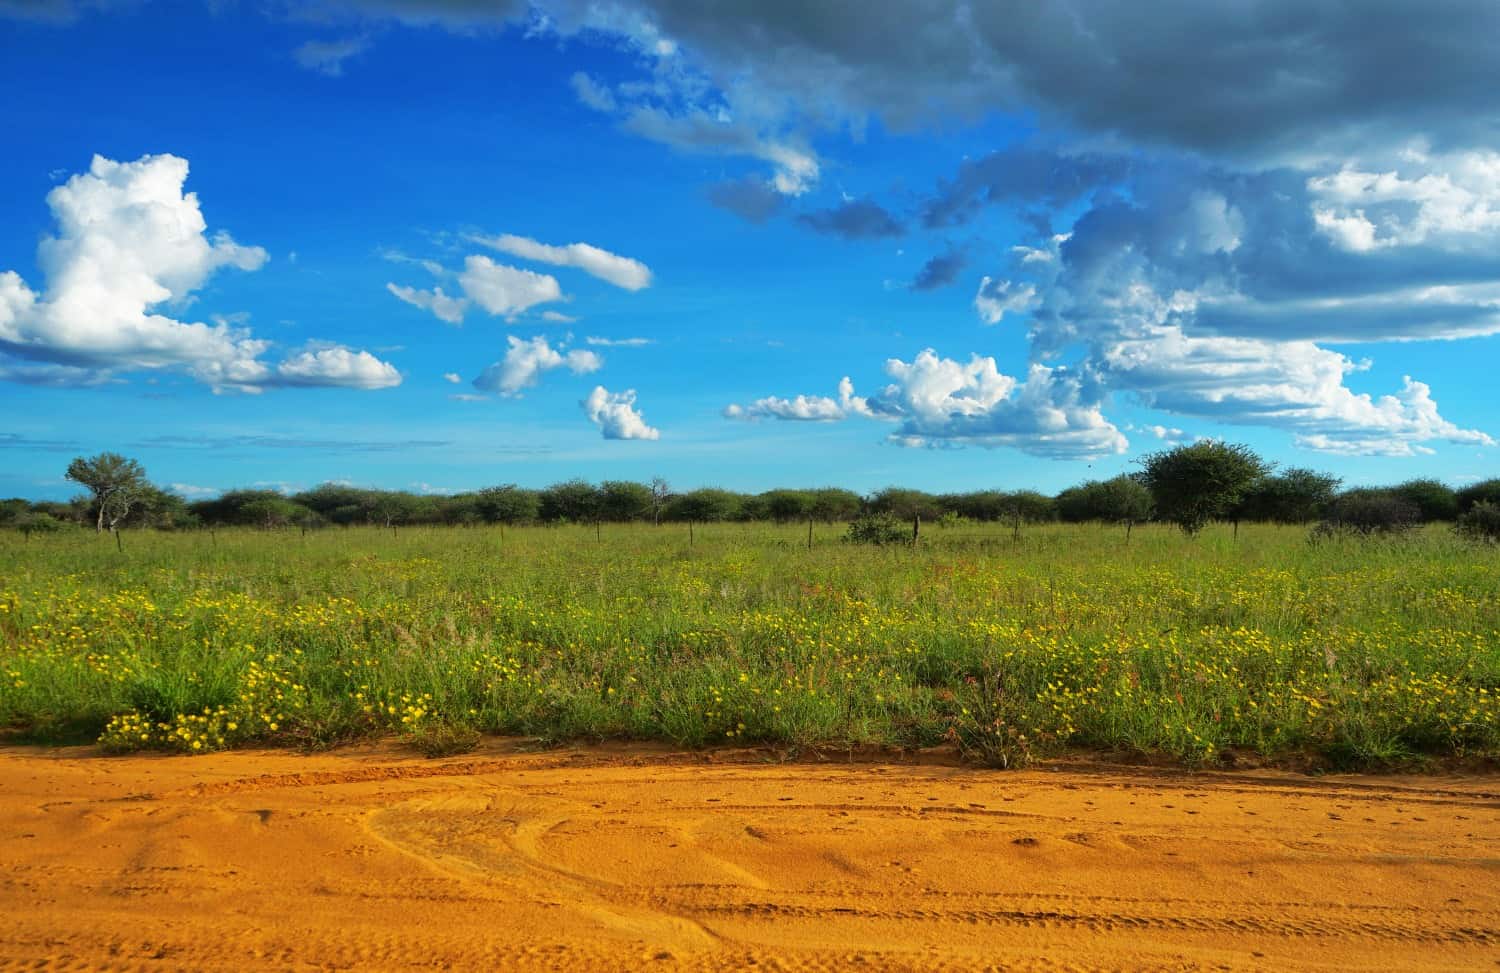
x: 856, y: 219
x: 328, y: 57
x: 442, y: 306
x: 623, y: 272
x: 452, y: 378
x: 616, y: 416
x: 557, y: 317
x: 334, y: 366
x: 996, y: 298
x: 526, y: 360
x: 804, y: 408
x: 130, y: 244
x: 505, y: 291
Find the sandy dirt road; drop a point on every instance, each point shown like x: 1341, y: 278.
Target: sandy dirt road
x: 600, y: 860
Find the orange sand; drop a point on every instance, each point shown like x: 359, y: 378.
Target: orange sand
x: 642, y: 859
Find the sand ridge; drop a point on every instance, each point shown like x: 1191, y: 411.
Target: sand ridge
x: 637, y: 858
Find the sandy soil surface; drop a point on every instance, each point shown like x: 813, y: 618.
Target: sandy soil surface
x: 640, y: 859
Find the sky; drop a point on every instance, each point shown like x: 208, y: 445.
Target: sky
x: 441, y: 245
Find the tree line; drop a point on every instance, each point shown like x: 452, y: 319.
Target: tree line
x: 1189, y: 486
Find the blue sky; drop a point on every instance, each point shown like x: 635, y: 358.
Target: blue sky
x: 282, y: 244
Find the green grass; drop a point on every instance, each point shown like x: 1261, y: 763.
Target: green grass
x: 1349, y: 653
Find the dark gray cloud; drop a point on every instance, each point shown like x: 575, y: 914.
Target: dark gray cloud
x: 1259, y: 78
x: 751, y: 198
x: 941, y: 270
x: 1253, y: 79
x: 1032, y: 178
x: 856, y: 219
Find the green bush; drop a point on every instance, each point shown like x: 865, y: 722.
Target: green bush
x: 878, y: 529
x: 1481, y: 522
x: 1369, y: 512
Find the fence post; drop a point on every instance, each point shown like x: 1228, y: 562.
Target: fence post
x: 916, y: 528
x: 809, y: 533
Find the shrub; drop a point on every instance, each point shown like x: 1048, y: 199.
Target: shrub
x: 1481, y: 522
x: 878, y: 529
x: 1485, y: 491
x: 1369, y: 512
x: 1433, y: 499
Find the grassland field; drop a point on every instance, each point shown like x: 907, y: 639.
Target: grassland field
x: 1343, y: 653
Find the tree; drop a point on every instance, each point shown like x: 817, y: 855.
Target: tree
x: 1194, y: 484
x: 703, y: 506
x: 905, y: 504
x: 1296, y: 496
x: 787, y: 505
x: 1369, y: 511
x: 274, y: 511
x: 1480, y: 522
x: 1433, y: 499
x: 661, y: 492
x: 621, y: 500
x: 573, y: 500
x: 339, y: 503
x: 1124, y: 500
x: 831, y: 503
x: 980, y: 505
x: 115, y: 482
x: 1485, y: 491
x: 508, y: 504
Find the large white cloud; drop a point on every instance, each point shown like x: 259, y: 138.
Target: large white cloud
x: 942, y: 401
x: 130, y: 242
x: 616, y: 416
x: 1192, y: 294
x: 525, y: 361
x: 623, y: 272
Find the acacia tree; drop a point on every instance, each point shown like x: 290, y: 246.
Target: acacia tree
x: 116, y: 483
x: 1192, y: 485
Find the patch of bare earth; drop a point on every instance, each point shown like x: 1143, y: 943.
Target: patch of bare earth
x: 637, y: 858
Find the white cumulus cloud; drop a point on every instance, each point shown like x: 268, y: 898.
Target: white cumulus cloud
x: 942, y: 401
x: 130, y: 244
x: 616, y: 416
x: 526, y: 360
x: 804, y: 408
